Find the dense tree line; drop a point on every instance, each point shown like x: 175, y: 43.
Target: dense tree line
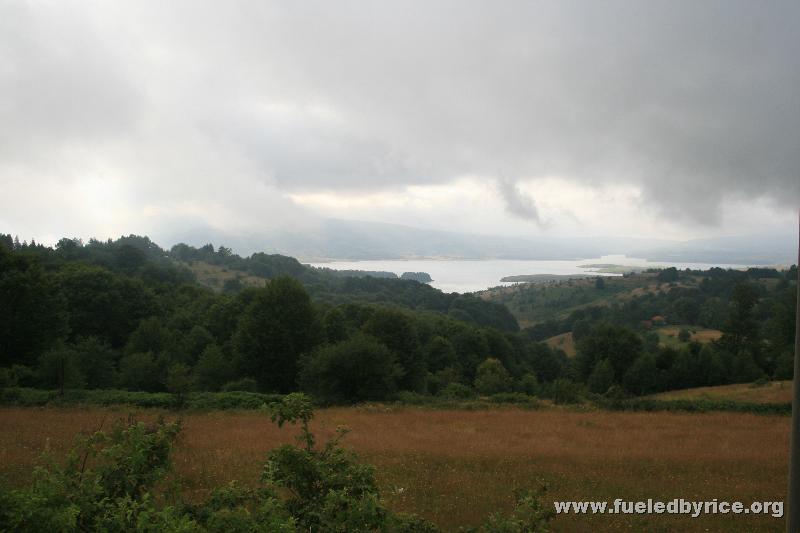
x: 127, y: 314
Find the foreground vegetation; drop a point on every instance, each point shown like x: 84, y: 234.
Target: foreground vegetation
x: 108, y: 479
x: 455, y: 468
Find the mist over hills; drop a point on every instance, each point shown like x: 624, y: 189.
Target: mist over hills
x: 757, y: 249
x: 336, y: 239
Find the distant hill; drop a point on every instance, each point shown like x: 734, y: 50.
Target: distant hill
x: 335, y: 239
x: 757, y: 249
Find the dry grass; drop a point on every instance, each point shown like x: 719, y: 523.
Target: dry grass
x: 456, y: 467
x: 215, y: 276
x: 772, y: 392
x: 563, y: 342
x: 698, y: 334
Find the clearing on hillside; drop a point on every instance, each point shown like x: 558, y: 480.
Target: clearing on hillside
x: 770, y: 392
x: 563, y: 342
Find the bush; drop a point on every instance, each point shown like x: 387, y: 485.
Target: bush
x: 515, y: 398
x: 492, y: 377
x: 241, y: 385
x: 107, y: 481
x: 564, y: 391
x: 414, y: 398
x: 527, y: 384
x: 355, y: 370
x: 457, y: 391
x: 213, y: 370
x: 529, y: 516
x: 694, y: 405
x: 601, y: 378
x: 110, y: 495
x: 139, y: 371
x: 197, y: 400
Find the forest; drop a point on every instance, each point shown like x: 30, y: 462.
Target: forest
x: 127, y: 314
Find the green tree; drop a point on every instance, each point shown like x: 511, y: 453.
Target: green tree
x: 275, y: 329
x: 58, y: 368
x: 140, y: 371
x: 744, y: 368
x: 397, y: 331
x: 213, y: 369
x: 97, y: 361
x: 492, y: 377
x: 104, y: 304
x: 618, y: 344
x: 334, y: 325
x: 642, y: 376
x: 710, y: 367
x: 601, y: 378
x: 33, y: 311
x: 741, y: 329
x: 527, y: 384
x: 351, y: 371
x: 179, y: 382
x: 440, y: 354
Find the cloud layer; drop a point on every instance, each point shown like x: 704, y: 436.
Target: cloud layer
x: 217, y: 112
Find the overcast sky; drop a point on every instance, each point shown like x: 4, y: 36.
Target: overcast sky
x: 641, y: 118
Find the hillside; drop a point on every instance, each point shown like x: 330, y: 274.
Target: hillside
x: 556, y: 298
x: 129, y: 314
x: 770, y: 392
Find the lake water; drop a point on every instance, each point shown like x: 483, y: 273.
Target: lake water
x: 470, y: 276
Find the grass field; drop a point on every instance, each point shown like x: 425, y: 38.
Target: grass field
x: 215, y: 276
x: 772, y: 392
x: 563, y: 342
x: 668, y: 335
x: 456, y: 467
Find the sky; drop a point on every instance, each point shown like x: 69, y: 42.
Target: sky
x: 670, y: 119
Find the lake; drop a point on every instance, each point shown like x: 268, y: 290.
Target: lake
x: 476, y: 275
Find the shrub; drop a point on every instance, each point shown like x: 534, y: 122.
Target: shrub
x: 529, y: 516
x: 241, y: 385
x: 527, y: 384
x: 139, y: 371
x: 564, y: 391
x: 355, y: 370
x: 213, y: 369
x: 328, y: 489
x: 457, y: 391
x: 113, y: 493
x: 515, y: 398
x: 601, y: 378
x: 492, y: 377
x: 106, y: 486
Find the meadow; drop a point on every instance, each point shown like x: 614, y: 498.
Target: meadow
x: 770, y: 392
x: 455, y: 467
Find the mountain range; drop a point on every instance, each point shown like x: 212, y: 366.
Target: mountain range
x: 337, y: 239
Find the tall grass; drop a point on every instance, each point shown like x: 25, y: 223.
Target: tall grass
x: 455, y: 467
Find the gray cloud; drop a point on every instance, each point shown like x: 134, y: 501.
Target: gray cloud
x: 694, y: 102
x: 517, y: 202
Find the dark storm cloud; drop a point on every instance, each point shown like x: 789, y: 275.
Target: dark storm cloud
x: 694, y: 102
x: 517, y: 202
